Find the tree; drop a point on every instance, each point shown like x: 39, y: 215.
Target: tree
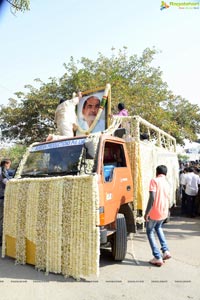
x: 19, y: 5
x: 134, y: 81
x: 186, y: 117
x: 30, y: 119
x: 15, y: 153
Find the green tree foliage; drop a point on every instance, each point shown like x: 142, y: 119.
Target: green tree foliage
x: 134, y: 81
x: 14, y: 153
x: 19, y: 5
x: 183, y: 158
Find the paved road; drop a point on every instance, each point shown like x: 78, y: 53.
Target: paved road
x: 178, y: 279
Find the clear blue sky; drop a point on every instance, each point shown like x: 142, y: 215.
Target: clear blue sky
x: 35, y: 44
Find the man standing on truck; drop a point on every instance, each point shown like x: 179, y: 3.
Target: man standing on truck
x: 156, y: 212
x: 121, y: 110
x: 65, y: 118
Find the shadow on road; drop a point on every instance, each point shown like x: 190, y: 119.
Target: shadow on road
x: 182, y: 227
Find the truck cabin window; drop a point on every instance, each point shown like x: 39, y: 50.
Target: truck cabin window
x: 114, y: 154
x: 55, y: 159
x: 113, y: 157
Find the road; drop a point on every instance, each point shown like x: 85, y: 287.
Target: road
x: 134, y: 278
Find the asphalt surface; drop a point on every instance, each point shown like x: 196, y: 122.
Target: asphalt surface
x: 134, y: 278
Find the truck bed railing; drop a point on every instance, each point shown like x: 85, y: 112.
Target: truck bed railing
x: 138, y: 129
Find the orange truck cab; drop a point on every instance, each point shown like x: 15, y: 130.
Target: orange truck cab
x: 116, y: 194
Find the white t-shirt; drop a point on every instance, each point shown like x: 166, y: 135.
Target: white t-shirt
x: 191, y: 181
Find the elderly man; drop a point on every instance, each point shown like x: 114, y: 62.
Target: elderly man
x: 89, y: 112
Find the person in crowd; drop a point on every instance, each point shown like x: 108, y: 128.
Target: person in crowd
x: 122, y: 110
x: 191, y: 184
x: 155, y: 214
x: 4, y: 177
x: 89, y: 112
x: 197, y: 199
x: 182, y: 191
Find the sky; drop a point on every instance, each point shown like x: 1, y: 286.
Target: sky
x: 36, y: 43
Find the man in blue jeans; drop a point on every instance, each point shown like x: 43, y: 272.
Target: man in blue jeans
x: 156, y: 212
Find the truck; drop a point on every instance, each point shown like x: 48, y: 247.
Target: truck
x: 72, y: 196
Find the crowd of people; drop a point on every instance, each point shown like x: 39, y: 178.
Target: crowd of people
x: 190, y: 188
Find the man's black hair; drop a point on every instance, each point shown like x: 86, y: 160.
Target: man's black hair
x: 62, y: 100
x: 4, y: 161
x: 121, y: 106
x: 161, y: 170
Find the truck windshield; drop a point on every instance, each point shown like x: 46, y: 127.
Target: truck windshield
x: 53, y: 159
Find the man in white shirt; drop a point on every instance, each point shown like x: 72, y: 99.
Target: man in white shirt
x: 191, y: 181
x: 65, y: 116
x: 183, y: 174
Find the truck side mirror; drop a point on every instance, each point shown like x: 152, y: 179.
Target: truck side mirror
x: 90, y: 152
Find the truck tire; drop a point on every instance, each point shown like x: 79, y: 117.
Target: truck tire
x: 119, y: 241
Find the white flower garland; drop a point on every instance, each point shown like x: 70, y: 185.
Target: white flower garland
x: 64, y: 229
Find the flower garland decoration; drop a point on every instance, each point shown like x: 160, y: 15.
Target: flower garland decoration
x: 88, y: 165
x: 64, y: 229
x: 23, y: 160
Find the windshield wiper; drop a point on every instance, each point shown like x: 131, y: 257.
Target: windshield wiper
x: 69, y: 172
x: 49, y: 174
x: 34, y: 175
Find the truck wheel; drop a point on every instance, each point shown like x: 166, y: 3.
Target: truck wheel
x: 119, y: 242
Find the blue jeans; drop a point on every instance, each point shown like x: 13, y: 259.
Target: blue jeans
x: 156, y: 226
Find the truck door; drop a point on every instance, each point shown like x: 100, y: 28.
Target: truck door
x: 116, y: 178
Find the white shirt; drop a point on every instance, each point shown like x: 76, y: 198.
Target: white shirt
x: 182, y: 178
x: 100, y: 126
x: 65, y: 116
x: 191, y: 181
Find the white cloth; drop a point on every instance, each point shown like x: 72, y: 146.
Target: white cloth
x: 191, y: 181
x: 65, y: 117
x: 182, y: 178
x: 100, y: 126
